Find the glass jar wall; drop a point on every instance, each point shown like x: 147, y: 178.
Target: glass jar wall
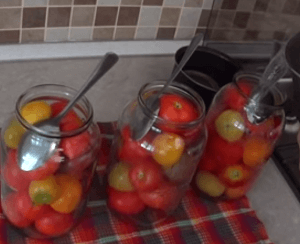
x: 48, y: 201
x: 148, y: 177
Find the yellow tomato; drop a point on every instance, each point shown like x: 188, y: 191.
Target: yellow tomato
x: 13, y: 134
x: 36, y: 111
x: 168, y: 149
x: 209, y: 183
x: 44, y: 191
x: 71, y: 192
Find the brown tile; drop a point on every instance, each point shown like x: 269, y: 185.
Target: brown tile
x: 204, y: 17
x: 235, y: 35
x: 106, y: 16
x: 250, y: 35
x: 85, y: 2
x: 103, y: 33
x: 213, y: 18
x: 255, y: 21
x: 275, y: 6
x: 83, y: 16
x: 60, y: 2
x: 126, y: 33
x: 224, y: 19
x: 10, y: 18
x: 131, y: 2
x: 246, y: 5
x: 59, y: 16
x: 169, y: 16
x: 241, y: 19
x: 218, y: 35
x: 165, y: 33
x: 33, y: 35
x: 9, y: 3
x: 265, y: 35
x: 279, y: 35
x: 128, y: 15
x: 153, y: 2
x: 261, y: 5
x: 193, y: 3
x: 11, y: 36
x: 229, y: 4
x: 34, y: 17
x: 290, y: 7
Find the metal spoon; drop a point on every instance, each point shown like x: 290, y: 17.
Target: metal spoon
x: 36, y: 149
x: 141, y: 124
x: 275, y: 70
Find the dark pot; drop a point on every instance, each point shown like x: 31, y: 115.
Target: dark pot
x: 206, y: 71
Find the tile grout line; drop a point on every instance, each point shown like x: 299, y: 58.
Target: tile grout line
x: 180, y: 16
x: 70, y: 21
x: 21, y: 22
x: 137, y: 24
x: 94, y: 22
x: 116, y: 23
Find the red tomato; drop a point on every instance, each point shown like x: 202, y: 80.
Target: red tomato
x: 25, y: 206
x: 13, y: 175
x: 176, y: 108
x: 208, y: 162
x: 234, y: 98
x: 12, y: 212
x: 53, y: 223
x: 76, y: 146
x: 146, y: 176
x: 49, y: 168
x: 235, y: 175
x: 164, y: 197
x: 125, y: 202
x: 71, y: 121
x: 131, y: 151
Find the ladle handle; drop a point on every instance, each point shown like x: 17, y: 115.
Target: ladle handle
x: 275, y: 70
x: 107, y: 63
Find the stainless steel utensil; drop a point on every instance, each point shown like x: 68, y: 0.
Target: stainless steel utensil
x: 35, y: 149
x: 141, y: 124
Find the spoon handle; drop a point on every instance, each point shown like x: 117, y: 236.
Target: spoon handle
x: 106, y: 64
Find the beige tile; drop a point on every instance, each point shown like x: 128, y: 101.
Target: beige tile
x: 33, y: 35
x: 225, y: 19
x: 255, y: 21
x: 60, y: 2
x: 83, y: 16
x: 149, y: 16
x: 131, y: 2
x: 10, y: 18
x: 193, y: 3
x: 246, y: 5
x: 108, y: 2
x: 169, y: 16
x: 35, y: 3
x: 190, y: 17
x: 125, y: 33
x: 209, y: 4
x: 174, y: 3
x: 146, y: 33
x: 56, y: 34
x: 8, y: 3
x: 81, y: 34
x: 103, y: 33
x: 185, y: 33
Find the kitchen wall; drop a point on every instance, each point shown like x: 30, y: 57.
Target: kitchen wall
x: 23, y: 21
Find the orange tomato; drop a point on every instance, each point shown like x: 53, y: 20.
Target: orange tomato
x: 71, y: 191
x: 235, y: 192
x: 256, y: 151
x: 44, y: 191
x: 235, y: 174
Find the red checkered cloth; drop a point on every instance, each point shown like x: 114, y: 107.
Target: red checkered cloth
x: 196, y: 221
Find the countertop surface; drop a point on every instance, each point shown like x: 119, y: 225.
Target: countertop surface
x: 271, y: 197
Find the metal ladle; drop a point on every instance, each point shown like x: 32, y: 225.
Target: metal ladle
x: 35, y: 149
x: 141, y: 124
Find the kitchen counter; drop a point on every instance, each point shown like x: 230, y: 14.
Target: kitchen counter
x: 271, y: 197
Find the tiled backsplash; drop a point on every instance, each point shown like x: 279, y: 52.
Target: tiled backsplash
x: 23, y: 21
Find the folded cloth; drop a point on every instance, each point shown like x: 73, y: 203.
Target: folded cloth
x: 195, y: 221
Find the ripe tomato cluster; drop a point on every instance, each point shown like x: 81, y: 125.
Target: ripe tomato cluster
x: 138, y: 180
x: 236, y: 149
x: 47, y: 198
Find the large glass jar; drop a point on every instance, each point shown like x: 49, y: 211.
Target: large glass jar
x: 148, y: 177
x: 48, y: 201
x: 237, y: 149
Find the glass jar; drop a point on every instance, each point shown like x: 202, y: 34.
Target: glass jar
x: 237, y: 149
x: 147, y: 178
x: 48, y: 201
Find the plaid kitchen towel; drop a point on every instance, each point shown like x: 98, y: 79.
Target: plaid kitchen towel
x: 196, y: 221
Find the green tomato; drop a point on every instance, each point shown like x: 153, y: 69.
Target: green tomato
x: 118, y: 178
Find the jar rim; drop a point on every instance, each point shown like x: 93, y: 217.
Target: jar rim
x: 255, y: 77
x: 180, y: 87
x: 69, y: 92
